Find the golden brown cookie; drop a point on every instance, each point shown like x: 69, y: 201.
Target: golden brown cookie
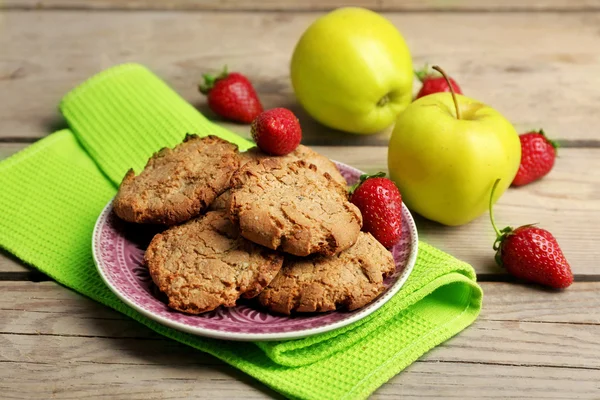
x: 322, y: 163
x: 293, y: 208
x: 349, y: 280
x: 178, y: 184
x: 205, y: 263
x: 221, y: 203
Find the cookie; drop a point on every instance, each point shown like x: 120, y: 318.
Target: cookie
x: 322, y: 163
x: 293, y: 208
x: 177, y: 184
x: 205, y: 263
x: 350, y: 280
x: 221, y: 202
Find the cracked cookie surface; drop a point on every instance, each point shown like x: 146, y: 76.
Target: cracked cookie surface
x: 305, y: 153
x: 293, y: 208
x: 205, y: 263
x: 349, y: 280
x: 177, y: 184
x: 322, y: 163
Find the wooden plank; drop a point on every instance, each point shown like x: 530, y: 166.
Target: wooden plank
x: 300, y: 5
x: 566, y: 202
x: 422, y: 380
x: 51, y: 308
x: 55, y: 341
x: 513, y: 61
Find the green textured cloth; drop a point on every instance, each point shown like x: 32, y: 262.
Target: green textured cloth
x: 52, y: 192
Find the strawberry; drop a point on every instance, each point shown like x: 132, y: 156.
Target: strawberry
x: 232, y: 96
x: 531, y: 254
x: 537, y: 157
x: 380, y: 203
x: 434, y: 83
x: 277, y: 131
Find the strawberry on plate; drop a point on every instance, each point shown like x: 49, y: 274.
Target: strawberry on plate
x: 232, y: 96
x: 532, y: 254
x: 380, y: 203
x: 276, y: 131
x: 434, y: 83
x: 537, y: 157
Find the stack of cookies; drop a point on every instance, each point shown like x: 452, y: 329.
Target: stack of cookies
x: 251, y: 225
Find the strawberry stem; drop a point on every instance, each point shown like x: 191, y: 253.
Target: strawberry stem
x: 441, y: 71
x: 498, y: 234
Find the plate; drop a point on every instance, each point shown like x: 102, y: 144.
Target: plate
x: 118, y: 249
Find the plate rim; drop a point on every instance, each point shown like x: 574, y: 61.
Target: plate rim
x: 240, y: 336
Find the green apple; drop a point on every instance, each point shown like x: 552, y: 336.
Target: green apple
x: 445, y: 166
x: 351, y: 70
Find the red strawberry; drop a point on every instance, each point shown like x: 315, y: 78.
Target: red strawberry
x: 232, y: 96
x: 277, y: 131
x: 380, y: 203
x: 434, y: 83
x: 532, y: 254
x: 537, y: 157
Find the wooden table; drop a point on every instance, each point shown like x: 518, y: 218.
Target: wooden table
x: 538, y: 62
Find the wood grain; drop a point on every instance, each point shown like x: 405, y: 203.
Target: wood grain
x: 50, y: 308
x: 564, y: 203
x: 54, y: 341
x: 310, y: 5
x: 516, y: 62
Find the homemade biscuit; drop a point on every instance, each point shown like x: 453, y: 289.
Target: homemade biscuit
x: 292, y: 207
x: 322, y: 163
x: 348, y: 280
x: 221, y: 202
x: 177, y: 184
x: 205, y: 263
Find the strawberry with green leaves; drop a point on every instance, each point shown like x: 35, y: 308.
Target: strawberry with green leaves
x: 531, y: 253
x: 380, y: 203
x: 231, y: 96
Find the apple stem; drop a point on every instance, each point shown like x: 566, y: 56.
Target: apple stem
x: 441, y: 71
x: 498, y: 233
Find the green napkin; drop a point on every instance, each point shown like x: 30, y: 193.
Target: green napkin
x: 53, y: 191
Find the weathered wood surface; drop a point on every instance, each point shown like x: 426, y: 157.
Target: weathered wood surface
x: 309, y: 5
x: 538, y: 69
x: 526, y: 340
x: 564, y: 202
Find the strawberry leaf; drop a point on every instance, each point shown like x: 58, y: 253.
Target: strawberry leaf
x: 363, y: 178
x: 422, y: 73
x: 554, y: 144
x: 210, y: 80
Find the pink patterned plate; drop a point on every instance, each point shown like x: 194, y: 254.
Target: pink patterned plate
x: 118, y: 250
